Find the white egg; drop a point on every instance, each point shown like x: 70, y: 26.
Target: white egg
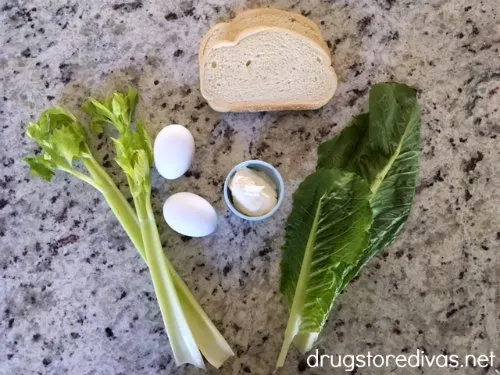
x: 190, y: 215
x: 173, y: 151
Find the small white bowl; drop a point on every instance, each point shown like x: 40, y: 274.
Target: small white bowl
x: 263, y: 167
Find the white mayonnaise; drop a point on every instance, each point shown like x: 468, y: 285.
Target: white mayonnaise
x: 253, y: 192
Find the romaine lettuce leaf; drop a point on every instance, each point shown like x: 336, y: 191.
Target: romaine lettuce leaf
x: 325, y: 235
x: 387, y: 157
x: 371, y: 170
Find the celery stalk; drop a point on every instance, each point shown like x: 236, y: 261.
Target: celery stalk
x: 63, y: 140
x: 192, y: 331
x: 179, y: 333
x: 117, y: 202
x: 211, y: 343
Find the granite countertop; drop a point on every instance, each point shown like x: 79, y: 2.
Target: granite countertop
x: 75, y: 297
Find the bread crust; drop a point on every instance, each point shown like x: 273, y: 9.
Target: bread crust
x: 286, y: 13
x: 256, y: 107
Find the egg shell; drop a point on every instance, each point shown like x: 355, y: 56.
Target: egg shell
x: 173, y: 151
x: 190, y: 215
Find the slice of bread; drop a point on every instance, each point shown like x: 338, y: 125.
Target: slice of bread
x: 262, y: 17
x: 265, y: 68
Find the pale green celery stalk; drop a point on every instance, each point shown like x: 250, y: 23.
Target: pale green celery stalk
x: 144, y: 234
x: 63, y: 140
x: 211, y: 343
x: 179, y: 333
x: 117, y: 201
x: 177, y: 304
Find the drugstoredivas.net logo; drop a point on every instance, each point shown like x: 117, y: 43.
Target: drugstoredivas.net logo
x: 419, y: 359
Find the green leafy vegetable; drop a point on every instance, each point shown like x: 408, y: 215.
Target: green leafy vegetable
x: 387, y: 157
x: 342, y: 151
x: 326, y: 233
x: 381, y: 148
x: 63, y: 141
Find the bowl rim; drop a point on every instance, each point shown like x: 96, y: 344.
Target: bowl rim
x: 249, y: 163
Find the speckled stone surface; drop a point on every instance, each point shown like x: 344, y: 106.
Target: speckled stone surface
x: 75, y: 297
